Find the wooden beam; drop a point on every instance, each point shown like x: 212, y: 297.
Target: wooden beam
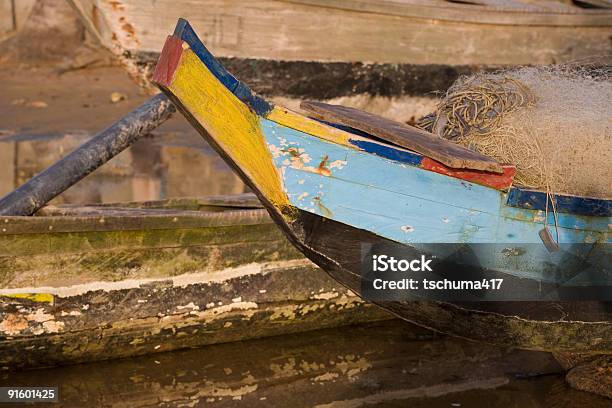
x: 405, y: 136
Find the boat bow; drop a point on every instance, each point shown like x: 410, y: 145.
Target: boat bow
x: 223, y: 107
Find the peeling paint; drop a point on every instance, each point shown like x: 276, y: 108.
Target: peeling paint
x: 53, y: 326
x: 13, y: 324
x: 175, y: 281
x: 220, y: 389
x: 338, y: 164
x: 247, y: 306
x: 326, y: 377
x: 326, y: 295
x: 34, y: 297
x: 189, y: 305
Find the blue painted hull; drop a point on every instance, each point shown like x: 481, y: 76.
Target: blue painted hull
x: 420, y: 208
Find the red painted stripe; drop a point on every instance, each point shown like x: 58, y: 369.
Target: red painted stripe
x: 168, y: 61
x: 497, y: 181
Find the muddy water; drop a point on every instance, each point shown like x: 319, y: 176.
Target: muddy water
x: 389, y: 364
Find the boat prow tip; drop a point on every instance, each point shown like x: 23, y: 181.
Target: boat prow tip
x: 181, y: 25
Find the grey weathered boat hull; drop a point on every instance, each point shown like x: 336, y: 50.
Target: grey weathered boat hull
x: 92, y: 283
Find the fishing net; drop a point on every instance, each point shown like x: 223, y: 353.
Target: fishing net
x: 553, y: 123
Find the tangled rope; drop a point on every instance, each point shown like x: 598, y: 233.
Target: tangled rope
x: 476, y: 105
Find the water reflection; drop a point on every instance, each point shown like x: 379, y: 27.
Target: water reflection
x: 167, y: 164
x: 386, y: 364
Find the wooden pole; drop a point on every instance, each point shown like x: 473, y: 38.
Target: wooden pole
x: 60, y: 176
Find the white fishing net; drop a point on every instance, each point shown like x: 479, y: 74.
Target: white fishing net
x: 553, y: 123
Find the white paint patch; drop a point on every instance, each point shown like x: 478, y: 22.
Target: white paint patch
x: 276, y: 152
x: 13, y: 324
x: 182, y: 281
x: 540, y: 216
x: 40, y: 316
x: 229, y: 308
x: 326, y: 377
x: 326, y: 295
x: 337, y: 164
x: 72, y: 313
x: 221, y: 389
x: 53, y: 326
x: 189, y: 305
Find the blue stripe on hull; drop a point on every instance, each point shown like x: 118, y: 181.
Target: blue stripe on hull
x: 532, y: 199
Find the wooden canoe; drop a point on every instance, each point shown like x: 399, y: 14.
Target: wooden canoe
x: 106, y: 281
x: 328, y: 48
x: 331, y: 190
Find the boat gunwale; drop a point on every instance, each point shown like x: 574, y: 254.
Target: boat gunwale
x: 172, y: 213
x: 222, y: 202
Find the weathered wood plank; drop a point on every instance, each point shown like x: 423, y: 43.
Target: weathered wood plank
x: 502, y: 12
x: 72, y: 242
x: 287, y: 31
x: 406, y: 136
x: 171, y: 220
x: 210, y: 204
x: 132, y: 317
x: 203, y: 278
x: 68, y: 272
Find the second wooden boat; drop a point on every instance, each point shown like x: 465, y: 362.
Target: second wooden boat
x: 88, y: 283
x: 332, y: 187
x: 329, y: 48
